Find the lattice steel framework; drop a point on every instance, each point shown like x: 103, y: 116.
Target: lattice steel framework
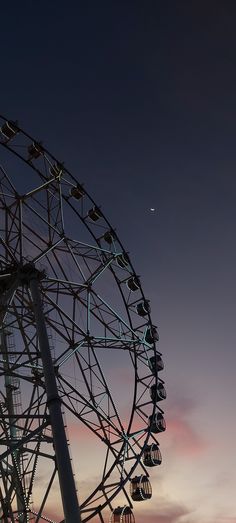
x: 72, y: 314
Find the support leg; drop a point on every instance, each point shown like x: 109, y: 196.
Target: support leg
x: 65, y: 474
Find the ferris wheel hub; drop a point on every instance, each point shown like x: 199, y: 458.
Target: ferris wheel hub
x: 15, y: 274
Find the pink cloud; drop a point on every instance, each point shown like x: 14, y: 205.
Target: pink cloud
x: 52, y: 515
x: 179, y: 405
x: 180, y: 436
x: 79, y: 432
x: 166, y: 513
x: 225, y: 519
x: 184, y: 439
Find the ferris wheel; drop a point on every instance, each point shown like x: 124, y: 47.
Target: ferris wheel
x: 79, y: 363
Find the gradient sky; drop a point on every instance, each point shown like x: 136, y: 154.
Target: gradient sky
x: 138, y: 98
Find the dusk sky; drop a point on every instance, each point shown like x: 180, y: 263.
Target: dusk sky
x: 138, y: 98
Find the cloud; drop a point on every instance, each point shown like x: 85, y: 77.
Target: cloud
x: 51, y: 513
x: 223, y: 519
x: 183, y: 438
x: 78, y: 432
x: 167, y: 512
x: 177, y: 405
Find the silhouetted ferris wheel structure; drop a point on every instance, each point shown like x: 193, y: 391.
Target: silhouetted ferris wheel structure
x: 75, y: 329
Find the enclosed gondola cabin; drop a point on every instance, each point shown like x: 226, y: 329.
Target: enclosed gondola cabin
x: 140, y: 488
x: 94, y: 214
x: 109, y: 237
x: 158, y: 392
x: 122, y: 260
x: 35, y: 150
x: 156, y: 363
x: 133, y: 284
x: 143, y: 308
x: 151, y: 335
x: 152, y: 455
x: 122, y: 515
x: 9, y: 130
x: 77, y: 192
x: 157, y: 423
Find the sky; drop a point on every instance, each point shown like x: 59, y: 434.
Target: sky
x: 138, y: 99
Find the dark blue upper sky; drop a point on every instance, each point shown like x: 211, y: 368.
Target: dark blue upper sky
x: 138, y: 99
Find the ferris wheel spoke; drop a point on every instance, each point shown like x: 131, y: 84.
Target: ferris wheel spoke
x: 50, y: 227
x: 102, y: 380
x: 59, y: 262
x: 46, y: 251
x: 99, y: 271
x: 13, y: 229
x: 67, y: 354
x: 50, y: 207
x: 65, y: 284
x: 8, y: 252
x: 23, y: 320
x: 67, y: 322
x: 32, y: 242
x: 110, y: 310
x: 93, y: 248
x: 96, y: 395
x: 74, y: 322
x: 6, y: 183
x: 40, y: 188
x: 116, y: 343
x: 65, y: 327
x: 108, y: 488
x: 71, y: 326
x: 24, y: 440
x: 96, y: 260
x: 92, y: 405
x: 76, y: 261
